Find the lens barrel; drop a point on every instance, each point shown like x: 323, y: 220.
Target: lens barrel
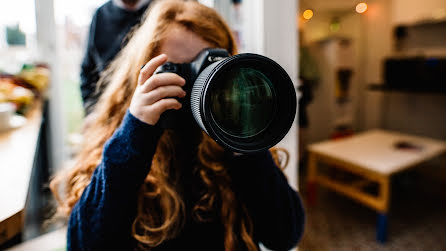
x: 246, y: 102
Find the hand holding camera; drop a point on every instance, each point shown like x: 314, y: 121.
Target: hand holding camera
x: 155, y: 92
x: 246, y: 102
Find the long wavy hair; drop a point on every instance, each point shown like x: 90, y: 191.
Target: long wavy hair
x: 160, y: 208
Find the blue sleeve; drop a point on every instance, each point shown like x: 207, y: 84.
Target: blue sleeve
x: 102, y: 218
x: 275, y: 208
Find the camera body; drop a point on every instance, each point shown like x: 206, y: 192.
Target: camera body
x: 245, y: 102
x: 172, y: 119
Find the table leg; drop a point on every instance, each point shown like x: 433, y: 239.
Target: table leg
x: 382, y: 221
x: 381, y: 228
x: 311, y: 182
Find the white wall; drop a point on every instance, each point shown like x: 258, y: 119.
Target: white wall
x: 270, y: 29
x: 377, y: 44
x: 421, y: 114
x: 48, y: 52
x: 410, y: 11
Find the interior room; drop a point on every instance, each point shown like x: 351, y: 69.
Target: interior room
x: 372, y: 86
x: 300, y: 125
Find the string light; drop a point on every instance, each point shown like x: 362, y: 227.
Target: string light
x: 308, y: 14
x: 361, y: 8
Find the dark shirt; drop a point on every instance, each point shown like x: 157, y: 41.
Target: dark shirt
x: 106, y: 38
x: 102, y: 218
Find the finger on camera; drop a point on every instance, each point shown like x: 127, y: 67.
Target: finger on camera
x: 162, y: 92
x: 162, y: 79
x: 149, y: 68
x: 165, y: 104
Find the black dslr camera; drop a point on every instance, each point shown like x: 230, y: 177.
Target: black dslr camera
x: 245, y: 102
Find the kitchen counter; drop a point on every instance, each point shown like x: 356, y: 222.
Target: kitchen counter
x: 18, y: 150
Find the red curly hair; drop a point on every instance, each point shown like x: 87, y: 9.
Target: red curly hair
x: 161, y: 209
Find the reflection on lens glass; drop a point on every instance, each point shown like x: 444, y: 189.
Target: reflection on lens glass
x: 242, y: 104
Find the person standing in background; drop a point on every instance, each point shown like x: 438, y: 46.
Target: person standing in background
x: 107, y: 36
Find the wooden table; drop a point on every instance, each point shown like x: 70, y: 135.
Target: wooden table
x: 17, y: 155
x: 368, y: 159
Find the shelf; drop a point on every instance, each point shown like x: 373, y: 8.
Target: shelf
x: 385, y: 88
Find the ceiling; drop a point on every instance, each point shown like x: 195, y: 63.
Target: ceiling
x: 328, y: 5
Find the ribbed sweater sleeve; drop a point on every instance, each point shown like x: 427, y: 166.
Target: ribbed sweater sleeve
x: 102, y: 218
x: 275, y: 208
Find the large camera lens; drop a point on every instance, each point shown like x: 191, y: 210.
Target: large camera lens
x: 243, y: 104
x: 246, y: 102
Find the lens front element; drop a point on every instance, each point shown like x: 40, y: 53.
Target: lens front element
x: 243, y: 104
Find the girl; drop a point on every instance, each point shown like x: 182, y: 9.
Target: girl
x: 136, y: 186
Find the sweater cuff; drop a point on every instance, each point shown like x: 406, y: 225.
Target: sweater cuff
x: 133, y: 142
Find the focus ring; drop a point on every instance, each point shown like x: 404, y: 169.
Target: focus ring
x: 197, y: 92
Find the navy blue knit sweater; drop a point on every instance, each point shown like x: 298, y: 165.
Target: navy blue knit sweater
x: 102, y: 218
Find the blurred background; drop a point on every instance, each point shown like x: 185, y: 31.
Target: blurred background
x: 369, y: 137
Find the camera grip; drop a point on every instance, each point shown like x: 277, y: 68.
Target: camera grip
x: 167, y: 67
